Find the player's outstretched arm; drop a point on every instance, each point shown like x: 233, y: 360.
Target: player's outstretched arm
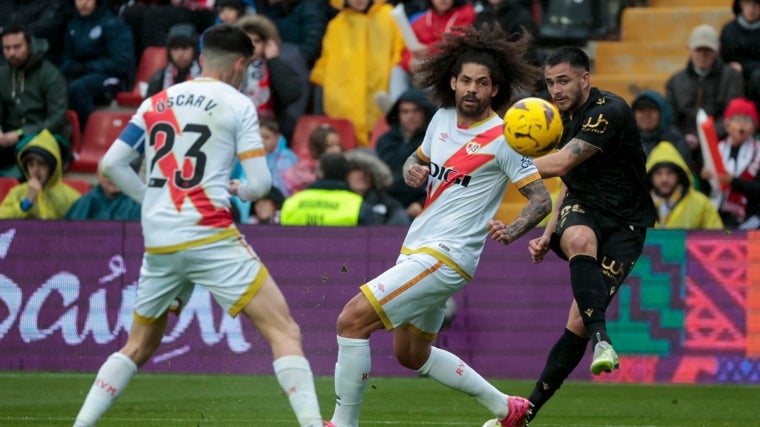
x: 563, y: 161
x: 539, y: 205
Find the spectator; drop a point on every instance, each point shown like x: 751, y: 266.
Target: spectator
x: 408, y: 120
x: 230, y: 11
x: 43, y: 19
x: 267, y: 210
x: 106, y: 202
x: 440, y: 17
x: 678, y: 204
x: 301, y: 22
x: 280, y: 158
x: 740, y: 151
x: 151, y: 20
x: 181, y: 50
x: 654, y: 120
x: 348, y: 75
x: 32, y: 98
x: 277, y: 79
x: 370, y: 178
x: 513, y: 16
x: 322, y: 140
x: 98, y: 57
x: 44, y: 195
x: 740, y: 39
x: 707, y: 83
x: 328, y: 200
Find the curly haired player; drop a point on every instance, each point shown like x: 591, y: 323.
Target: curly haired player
x: 465, y: 163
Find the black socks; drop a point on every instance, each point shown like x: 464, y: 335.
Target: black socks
x: 590, y: 293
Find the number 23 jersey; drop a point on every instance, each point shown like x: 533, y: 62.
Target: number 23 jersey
x: 190, y: 134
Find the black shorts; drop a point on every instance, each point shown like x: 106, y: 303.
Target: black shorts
x: 619, y: 244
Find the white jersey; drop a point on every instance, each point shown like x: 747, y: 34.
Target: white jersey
x: 469, y: 171
x: 190, y: 134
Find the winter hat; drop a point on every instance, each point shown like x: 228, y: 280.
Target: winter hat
x: 741, y: 106
x: 704, y: 36
x: 645, y: 102
x: 181, y: 35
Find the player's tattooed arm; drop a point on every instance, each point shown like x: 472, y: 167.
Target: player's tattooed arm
x: 415, y: 170
x: 538, y: 207
x: 575, y: 152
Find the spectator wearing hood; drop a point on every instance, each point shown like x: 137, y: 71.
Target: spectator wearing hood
x: 408, y: 120
x: 678, y: 204
x: 98, y: 57
x: 654, y: 120
x: 105, y: 202
x: 182, y: 52
x: 33, y: 97
x: 740, y: 39
x: 369, y: 177
x: 44, y: 195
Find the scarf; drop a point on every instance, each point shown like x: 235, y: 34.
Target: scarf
x: 744, y: 166
x: 665, y: 204
x: 747, y: 25
x: 172, y: 74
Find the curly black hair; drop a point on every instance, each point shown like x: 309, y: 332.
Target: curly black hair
x: 489, y: 46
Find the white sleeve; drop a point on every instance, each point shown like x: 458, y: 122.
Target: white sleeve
x: 259, y: 179
x: 115, y: 165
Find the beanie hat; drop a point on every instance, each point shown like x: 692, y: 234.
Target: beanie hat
x: 741, y: 106
x: 181, y: 35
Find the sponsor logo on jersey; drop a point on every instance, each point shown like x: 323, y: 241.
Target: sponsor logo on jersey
x: 449, y: 175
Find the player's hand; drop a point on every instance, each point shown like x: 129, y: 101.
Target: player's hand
x: 417, y: 175
x: 235, y: 185
x: 33, y: 188
x: 538, y: 247
x: 498, y: 231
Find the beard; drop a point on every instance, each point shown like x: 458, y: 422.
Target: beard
x: 471, y: 111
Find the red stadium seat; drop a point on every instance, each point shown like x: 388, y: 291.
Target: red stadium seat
x: 6, y: 183
x: 103, y: 127
x: 306, y: 124
x: 153, y: 59
x: 381, y: 127
x: 80, y: 184
x: 76, y: 133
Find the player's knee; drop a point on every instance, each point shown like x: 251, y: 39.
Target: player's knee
x: 410, y: 359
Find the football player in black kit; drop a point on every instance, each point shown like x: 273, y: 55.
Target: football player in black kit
x: 601, y: 216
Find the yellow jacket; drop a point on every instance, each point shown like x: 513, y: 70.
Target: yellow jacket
x: 55, y: 198
x: 358, y: 52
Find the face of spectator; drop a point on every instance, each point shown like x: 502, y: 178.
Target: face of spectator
x: 264, y: 209
x: 332, y: 143
x: 270, y: 139
x: 15, y: 49
x: 360, y: 5
x: 258, y: 45
x: 359, y: 181
x: 566, y: 85
x: 182, y: 56
x: 750, y: 10
x: 38, y: 168
x: 647, y: 118
x: 85, y: 7
x: 473, y: 90
x: 703, y: 57
x: 229, y: 15
x: 740, y: 128
x: 411, y: 117
x: 664, y: 180
x: 442, y: 6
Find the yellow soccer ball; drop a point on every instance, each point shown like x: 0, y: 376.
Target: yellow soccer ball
x: 533, y: 127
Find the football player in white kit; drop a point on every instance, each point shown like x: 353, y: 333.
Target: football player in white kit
x: 465, y: 163
x: 190, y: 135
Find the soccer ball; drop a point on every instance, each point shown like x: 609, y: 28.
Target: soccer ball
x: 533, y: 127
x: 492, y: 423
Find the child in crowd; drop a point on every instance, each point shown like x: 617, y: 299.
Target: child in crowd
x: 181, y: 49
x: 266, y: 210
x: 280, y: 158
x: 324, y: 139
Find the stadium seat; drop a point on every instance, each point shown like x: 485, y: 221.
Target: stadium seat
x: 620, y: 57
x: 381, y: 127
x: 103, y: 127
x: 76, y: 133
x: 307, y: 123
x: 669, y: 24
x: 153, y: 59
x: 80, y: 184
x: 6, y: 183
x: 726, y: 4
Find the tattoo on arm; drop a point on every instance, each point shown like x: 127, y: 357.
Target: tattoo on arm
x: 580, y: 150
x: 412, y: 160
x: 539, y: 205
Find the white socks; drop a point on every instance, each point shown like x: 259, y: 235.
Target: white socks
x: 295, y: 377
x: 351, y: 376
x: 451, y: 371
x: 111, y: 380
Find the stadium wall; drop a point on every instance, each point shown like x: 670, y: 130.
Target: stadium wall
x: 689, y: 312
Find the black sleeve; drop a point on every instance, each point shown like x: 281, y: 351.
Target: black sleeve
x: 284, y: 82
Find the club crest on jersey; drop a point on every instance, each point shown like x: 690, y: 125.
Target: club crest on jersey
x: 472, y: 147
x: 443, y: 137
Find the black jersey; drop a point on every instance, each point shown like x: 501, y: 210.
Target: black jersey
x: 613, y: 182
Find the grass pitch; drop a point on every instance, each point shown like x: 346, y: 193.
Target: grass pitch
x: 52, y: 399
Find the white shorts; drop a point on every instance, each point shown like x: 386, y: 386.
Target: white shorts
x: 414, y: 293
x: 229, y: 269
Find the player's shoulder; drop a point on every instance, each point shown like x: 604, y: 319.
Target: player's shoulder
x: 607, y: 103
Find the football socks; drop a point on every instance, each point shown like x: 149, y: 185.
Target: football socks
x: 590, y: 293
x: 351, y: 375
x: 112, y: 379
x: 295, y: 377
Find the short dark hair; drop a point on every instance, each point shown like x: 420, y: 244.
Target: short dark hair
x: 574, y: 56
x: 334, y: 166
x: 15, y: 28
x: 227, y: 38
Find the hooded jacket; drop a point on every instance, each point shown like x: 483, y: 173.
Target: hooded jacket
x: 359, y: 50
x: 34, y: 97
x: 666, y: 131
x: 693, y: 210
x: 55, y: 198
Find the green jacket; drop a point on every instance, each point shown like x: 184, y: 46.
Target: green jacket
x: 329, y: 203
